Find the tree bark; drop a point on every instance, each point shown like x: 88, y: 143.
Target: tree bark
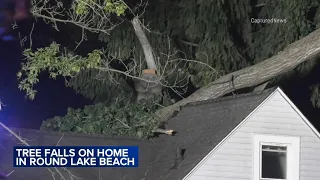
x: 296, y: 53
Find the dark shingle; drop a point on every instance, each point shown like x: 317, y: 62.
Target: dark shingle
x: 200, y: 127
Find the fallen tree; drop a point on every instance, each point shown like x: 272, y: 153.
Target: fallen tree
x: 296, y: 53
x: 220, y: 61
x: 288, y: 59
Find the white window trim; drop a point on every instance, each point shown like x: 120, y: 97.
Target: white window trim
x: 293, y: 154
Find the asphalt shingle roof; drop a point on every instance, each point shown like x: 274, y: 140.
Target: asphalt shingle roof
x: 200, y: 127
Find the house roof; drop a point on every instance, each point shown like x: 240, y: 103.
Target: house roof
x: 200, y: 127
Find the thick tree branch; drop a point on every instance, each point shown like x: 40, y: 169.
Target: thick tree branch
x: 295, y: 54
x: 147, y: 50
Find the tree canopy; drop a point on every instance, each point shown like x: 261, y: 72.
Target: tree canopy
x: 194, y: 43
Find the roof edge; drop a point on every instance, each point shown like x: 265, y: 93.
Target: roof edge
x: 295, y: 108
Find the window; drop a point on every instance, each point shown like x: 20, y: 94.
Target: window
x: 276, y: 157
x: 274, y: 162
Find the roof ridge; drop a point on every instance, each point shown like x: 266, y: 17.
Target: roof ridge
x: 224, y: 98
x: 81, y: 134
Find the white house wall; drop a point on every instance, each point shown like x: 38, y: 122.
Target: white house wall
x: 234, y: 158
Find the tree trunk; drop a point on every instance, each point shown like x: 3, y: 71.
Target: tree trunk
x: 296, y: 53
x: 144, y: 88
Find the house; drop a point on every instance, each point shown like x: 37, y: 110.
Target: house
x: 252, y: 136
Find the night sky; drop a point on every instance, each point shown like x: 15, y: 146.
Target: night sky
x: 53, y: 98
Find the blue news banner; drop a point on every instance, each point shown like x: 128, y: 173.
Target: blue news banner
x: 75, y: 156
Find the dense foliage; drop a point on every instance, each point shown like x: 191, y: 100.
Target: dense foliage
x: 194, y: 42
x: 117, y: 119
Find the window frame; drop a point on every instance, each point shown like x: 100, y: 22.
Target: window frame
x: 293, y: 154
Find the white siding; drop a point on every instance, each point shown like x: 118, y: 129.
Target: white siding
x: 233, y: 159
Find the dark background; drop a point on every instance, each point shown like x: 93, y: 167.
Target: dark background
x: 53, y: 98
